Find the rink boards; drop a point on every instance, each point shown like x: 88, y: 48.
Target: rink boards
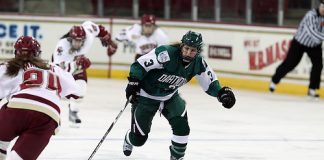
x: 243, y: 56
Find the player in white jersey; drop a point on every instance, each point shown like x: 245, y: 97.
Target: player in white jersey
x: 33, y: 90
x: 75, y: 45
x: 146, y: 36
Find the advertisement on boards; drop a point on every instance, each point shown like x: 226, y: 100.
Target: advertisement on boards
x: 250, y: 50
x: 9, y: 32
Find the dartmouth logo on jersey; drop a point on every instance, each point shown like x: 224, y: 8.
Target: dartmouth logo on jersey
x: 173, y: 80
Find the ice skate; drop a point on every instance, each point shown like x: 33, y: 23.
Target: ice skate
x: 272, y: 87
x: 127, y: 147
x: 312, y: 94
x: 73, y: 117
x: 174, y: 158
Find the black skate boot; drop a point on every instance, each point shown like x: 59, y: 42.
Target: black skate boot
x: 73, y: 117
x: 127, y: 147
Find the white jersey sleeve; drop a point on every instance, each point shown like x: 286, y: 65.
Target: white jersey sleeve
x: 91, y: 28
x: 206, y: 77
x: 92, y: 31
x: 8, y: 85
x: 63, y: 57
x: 61, y: 52
x: 121, y: 36
x: 68, y: 84
x: 131, y: 33
x: 161, y: 37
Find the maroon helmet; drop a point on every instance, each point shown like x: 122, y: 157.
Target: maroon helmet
x: 77, y: 32
x: 148, y: 19
x: 27, y: 46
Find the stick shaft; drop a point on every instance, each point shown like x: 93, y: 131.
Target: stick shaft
x: 109, y: 129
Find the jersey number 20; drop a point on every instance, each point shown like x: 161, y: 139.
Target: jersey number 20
x: 35, y: 78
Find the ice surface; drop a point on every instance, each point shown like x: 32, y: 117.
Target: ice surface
x: 261, y: 126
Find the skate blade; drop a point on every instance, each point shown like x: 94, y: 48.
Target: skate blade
x: 74, y: 125
x: 315, y: 99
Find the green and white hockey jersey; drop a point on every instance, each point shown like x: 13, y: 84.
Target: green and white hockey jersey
x: 161, y: 72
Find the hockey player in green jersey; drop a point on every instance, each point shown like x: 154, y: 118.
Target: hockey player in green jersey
x: 154, y: 80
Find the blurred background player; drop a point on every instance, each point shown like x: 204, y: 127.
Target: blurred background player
x: 146, y: 36
x: 154, y: 80
x: 308, y: 38
x: 72, y: 48
x: 33, y: 90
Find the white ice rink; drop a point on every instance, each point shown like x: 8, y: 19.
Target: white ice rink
x: 261, y: 126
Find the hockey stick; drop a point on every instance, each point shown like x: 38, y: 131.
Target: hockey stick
x: 111, y: 126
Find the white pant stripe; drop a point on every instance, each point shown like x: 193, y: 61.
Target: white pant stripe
x: 4, y: 145
x: 180, y: 139
x: 13, y: 155
x: 184, y: 112
x: 137, y: 126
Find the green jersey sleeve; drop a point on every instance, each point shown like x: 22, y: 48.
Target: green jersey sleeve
x: 208, y: 80
x: 137, y: 71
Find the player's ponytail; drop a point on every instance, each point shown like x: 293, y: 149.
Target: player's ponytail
x: 65, y: 36
x: 15, y: 64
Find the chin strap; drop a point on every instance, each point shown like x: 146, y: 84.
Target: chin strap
x: 185, y: 63
x: 188, y: 59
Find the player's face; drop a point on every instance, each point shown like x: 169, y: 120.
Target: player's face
x: 77, y: 43
x: 148, y: 29
x: 321, y: 9
x: 189, y: 52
